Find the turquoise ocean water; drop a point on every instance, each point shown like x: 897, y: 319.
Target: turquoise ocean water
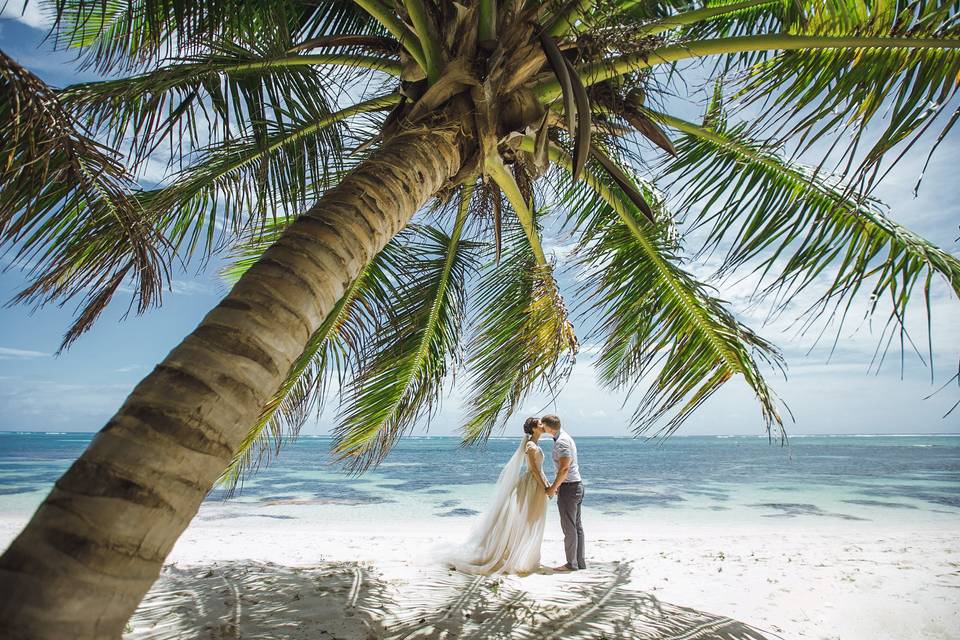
x: 816, y: 479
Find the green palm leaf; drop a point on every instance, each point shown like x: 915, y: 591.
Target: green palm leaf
x: 807, y: 95
x: 402, y: 380
x: 660, y: 328
x: 784, y: 218
x: 122, y: 35
x: 522, y: 339
x: 66, y: 208
x: 334, y: 353
x: 247, y: 180
x: 228, y: 93
x: 721, y: 18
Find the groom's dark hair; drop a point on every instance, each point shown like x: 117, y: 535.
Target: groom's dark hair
x: 551, y: 421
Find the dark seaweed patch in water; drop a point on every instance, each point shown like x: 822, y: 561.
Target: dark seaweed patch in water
x: 714, y: 494
x: 37, y: 477
x: 265, y: 488
x: 437, y: 492
x: 340, y: 494
x: 9, y: 491
x: 614, y: 485
x: 322, y: 492
x: 332, y: 491
x: 412, y: 485
x: 601, y: 498
x: 446, y: 504
x: 947, y: 501
x: 881, y: 503
x: 614, y: 513
x: 793, y: 509
x: 906, y: 491
x: 458, y: 513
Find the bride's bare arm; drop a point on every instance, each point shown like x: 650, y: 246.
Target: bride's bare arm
x: 533, y: 462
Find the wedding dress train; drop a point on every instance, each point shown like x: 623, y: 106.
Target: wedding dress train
x: 509, y: 535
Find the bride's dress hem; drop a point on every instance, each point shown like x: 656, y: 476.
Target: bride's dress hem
x: 508, y: 538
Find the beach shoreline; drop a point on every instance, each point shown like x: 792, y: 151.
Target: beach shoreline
x: 790, y: 580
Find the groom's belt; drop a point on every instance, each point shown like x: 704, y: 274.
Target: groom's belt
x: 571, y: 482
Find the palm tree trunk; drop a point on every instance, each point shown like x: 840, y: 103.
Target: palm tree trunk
x: 96, y: 544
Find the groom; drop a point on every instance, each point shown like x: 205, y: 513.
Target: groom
x: 569, y: 491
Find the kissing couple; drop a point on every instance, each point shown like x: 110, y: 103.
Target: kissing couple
x: 509, y: 535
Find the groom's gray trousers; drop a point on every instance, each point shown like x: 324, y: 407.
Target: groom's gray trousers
x: 569, y: 499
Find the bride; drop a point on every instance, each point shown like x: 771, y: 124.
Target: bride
x: 509, y: 536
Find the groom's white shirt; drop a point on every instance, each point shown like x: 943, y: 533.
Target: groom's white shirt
x: 565, y: 447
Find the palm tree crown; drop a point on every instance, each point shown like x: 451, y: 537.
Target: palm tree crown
x: 558, y: 108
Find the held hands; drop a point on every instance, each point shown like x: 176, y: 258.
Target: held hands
x: 551, y: 491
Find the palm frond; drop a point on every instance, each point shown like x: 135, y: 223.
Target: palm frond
x: 637, y: 11
x: 115, y: 35
x: 333, y: 355
x: 785, y: 219
x: 386, y: 16
x: 66, y: 209
x: 837, y: 74
x: 247, y: 180
x: 521, y: 340
x: 660, y: 328
x: 724, y: 18
x: 402, y: 380
x: 192, y: 103
x: 809, y: 94
x: 425, y: 30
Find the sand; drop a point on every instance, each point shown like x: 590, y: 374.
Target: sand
x: 300, y: 572
x: 274, y: 577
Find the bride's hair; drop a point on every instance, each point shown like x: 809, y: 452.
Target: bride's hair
x: 529, y: 425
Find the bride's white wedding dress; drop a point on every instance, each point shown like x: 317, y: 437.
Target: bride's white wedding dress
x: 509, y: 535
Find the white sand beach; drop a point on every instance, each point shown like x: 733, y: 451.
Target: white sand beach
x: 272, y: 575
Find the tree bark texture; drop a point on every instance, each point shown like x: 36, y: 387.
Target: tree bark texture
x: 98, y: 541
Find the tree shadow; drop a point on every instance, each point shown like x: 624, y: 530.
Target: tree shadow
x: 594, y: 604
x: 346, y: 600
x: 261, y: 600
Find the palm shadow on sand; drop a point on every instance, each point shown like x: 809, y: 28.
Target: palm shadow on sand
x: 345, y: 600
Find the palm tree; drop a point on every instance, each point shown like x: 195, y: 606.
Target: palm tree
x: 311, y: 132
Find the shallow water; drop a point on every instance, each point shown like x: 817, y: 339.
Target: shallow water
x: 816, y: 479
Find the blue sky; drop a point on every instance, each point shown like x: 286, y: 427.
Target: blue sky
x: 79, y: 390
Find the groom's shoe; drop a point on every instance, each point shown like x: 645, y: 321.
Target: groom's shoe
x: 563, y: 568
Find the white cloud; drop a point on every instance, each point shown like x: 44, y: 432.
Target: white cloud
x: 562, y: 251
x: 28, y: 12
x: 588, y: 349
x: 128, y: 368
x: 6, y: 353
x: 156, y: 170
x: 180, y: 288
x: 192, y: 288
x: 34, y: 403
